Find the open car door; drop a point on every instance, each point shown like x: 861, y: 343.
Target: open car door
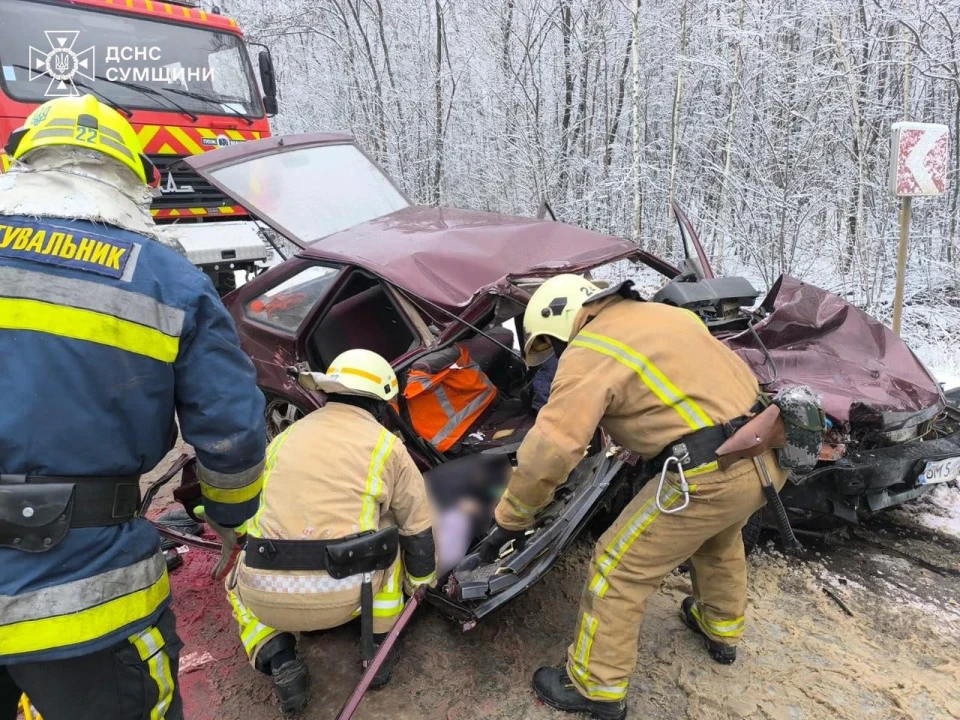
x: 305, y: 187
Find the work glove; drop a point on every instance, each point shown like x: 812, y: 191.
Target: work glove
x: 231, y: 543
x: 493, y: 543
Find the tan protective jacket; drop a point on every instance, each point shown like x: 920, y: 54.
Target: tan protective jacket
x: 334, y: 473
x: 648, y: 373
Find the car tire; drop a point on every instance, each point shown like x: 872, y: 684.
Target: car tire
x: 279, y: 414
x: 751, y: 531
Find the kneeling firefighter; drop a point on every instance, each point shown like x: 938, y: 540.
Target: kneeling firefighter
x: 344, y: 527
x: 106, y: 337
x: 663, y: 387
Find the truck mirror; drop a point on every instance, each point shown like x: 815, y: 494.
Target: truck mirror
x: 268, y: 77
x: 270, y: 105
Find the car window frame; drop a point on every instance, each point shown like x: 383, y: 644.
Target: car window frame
x: 307, y: 330
x: 282, y: 278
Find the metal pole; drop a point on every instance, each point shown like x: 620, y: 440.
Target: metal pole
x: 905, y: 211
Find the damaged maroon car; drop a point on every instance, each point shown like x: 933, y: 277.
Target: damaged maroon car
x: 377, y: 272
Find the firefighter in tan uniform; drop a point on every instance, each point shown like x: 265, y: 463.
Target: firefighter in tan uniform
x: 334, y: 474
x: 663, y: 387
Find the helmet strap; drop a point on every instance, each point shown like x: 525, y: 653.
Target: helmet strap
x: 558, y: 345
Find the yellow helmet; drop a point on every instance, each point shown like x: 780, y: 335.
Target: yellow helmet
x: 551, y: 312
x: 355, y: 372
x: 83, y: 122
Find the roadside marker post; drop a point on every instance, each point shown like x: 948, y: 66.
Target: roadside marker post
x: 918, y: 168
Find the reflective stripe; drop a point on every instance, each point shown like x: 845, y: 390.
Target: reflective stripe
x: 519, y: 507
x: 454, y: 421
x: 640, y: 521
x: 369, y: 517
x: 89, y: 326
x: 229, y: 481
x: 702, y: 469
x: 86, y: 295
x: 78, y: 595
x: 581, y: 663
x: 668, y: 393
x: 252, y: 631
x: 418, y: 581
x: 231, y: 495
x: 149, y: 644
x: 720, y: 628
x: 441, y: 395
x: 389, y: 601
x: 80, y: 627
x: 361, y: 373
x: 253, y: 527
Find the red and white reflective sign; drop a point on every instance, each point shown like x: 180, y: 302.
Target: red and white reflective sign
x: 918, y: 159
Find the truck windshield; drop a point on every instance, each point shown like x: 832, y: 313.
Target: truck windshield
x: 46, y: 48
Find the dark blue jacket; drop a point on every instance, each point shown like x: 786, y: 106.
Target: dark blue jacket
x: 105, y: 338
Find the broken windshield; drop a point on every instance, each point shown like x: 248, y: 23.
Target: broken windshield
x: 312, y: 192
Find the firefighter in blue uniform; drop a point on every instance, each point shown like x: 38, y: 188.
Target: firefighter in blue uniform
x: 105, y: 336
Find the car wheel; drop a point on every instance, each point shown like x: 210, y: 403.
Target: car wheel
x: 279, y: 415
x: 751, y: 531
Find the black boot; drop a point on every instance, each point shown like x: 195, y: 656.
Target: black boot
x: 556, y: 689
x: 291, y: 681
x: 723, y: 654
x: 382, y: 677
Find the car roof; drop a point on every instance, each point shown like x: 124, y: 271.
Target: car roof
x: 449, y: 256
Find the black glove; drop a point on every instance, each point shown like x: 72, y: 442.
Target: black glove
x: 491, y: 545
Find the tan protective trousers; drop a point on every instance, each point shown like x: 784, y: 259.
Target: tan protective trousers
x: 262, y: 615
x: 645, y: 544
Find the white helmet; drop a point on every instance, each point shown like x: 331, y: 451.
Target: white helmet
x: 355, y: 372
x: 551, y: 312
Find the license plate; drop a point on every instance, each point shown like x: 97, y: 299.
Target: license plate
x: 940, y: 471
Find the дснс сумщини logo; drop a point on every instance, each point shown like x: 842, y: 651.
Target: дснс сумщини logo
x: 62, y: 63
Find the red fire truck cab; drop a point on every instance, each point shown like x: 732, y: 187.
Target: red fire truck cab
x: 183, y: 78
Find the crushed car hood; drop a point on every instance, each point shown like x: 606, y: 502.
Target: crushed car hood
x: 450, y: 256
x: 863, y: 372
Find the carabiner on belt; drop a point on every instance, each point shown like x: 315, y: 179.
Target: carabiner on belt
x: 684, y: 487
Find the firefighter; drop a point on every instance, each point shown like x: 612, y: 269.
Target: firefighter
x: 335, y: 474
x: 663, y: 387
x: 106, y: 336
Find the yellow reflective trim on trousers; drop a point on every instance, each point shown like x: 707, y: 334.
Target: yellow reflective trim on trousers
x: 150, y: 644
x: 80, y: 627
x: 368, y: 515
x: 720, y: 628
x: 668, y: 393
x: 87, y: 325
x: 702, y: 469
x: 581, y: 664
x: 389, y: 601
x: 628, y: 534
x: 252, y: 631
x: 232, y: 495
x: 253, y: 526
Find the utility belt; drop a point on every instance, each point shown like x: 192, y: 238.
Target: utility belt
x: 37, y: 511
x: 700, y: 447
x: 361, y: 554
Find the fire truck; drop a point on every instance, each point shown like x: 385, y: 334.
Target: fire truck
x: 183, y: 78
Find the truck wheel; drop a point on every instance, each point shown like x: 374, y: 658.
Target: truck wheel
x: 751, y: 531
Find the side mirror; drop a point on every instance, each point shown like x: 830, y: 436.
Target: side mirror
x: 268, y: 79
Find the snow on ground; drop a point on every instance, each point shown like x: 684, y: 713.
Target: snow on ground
x: 938, y: 510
